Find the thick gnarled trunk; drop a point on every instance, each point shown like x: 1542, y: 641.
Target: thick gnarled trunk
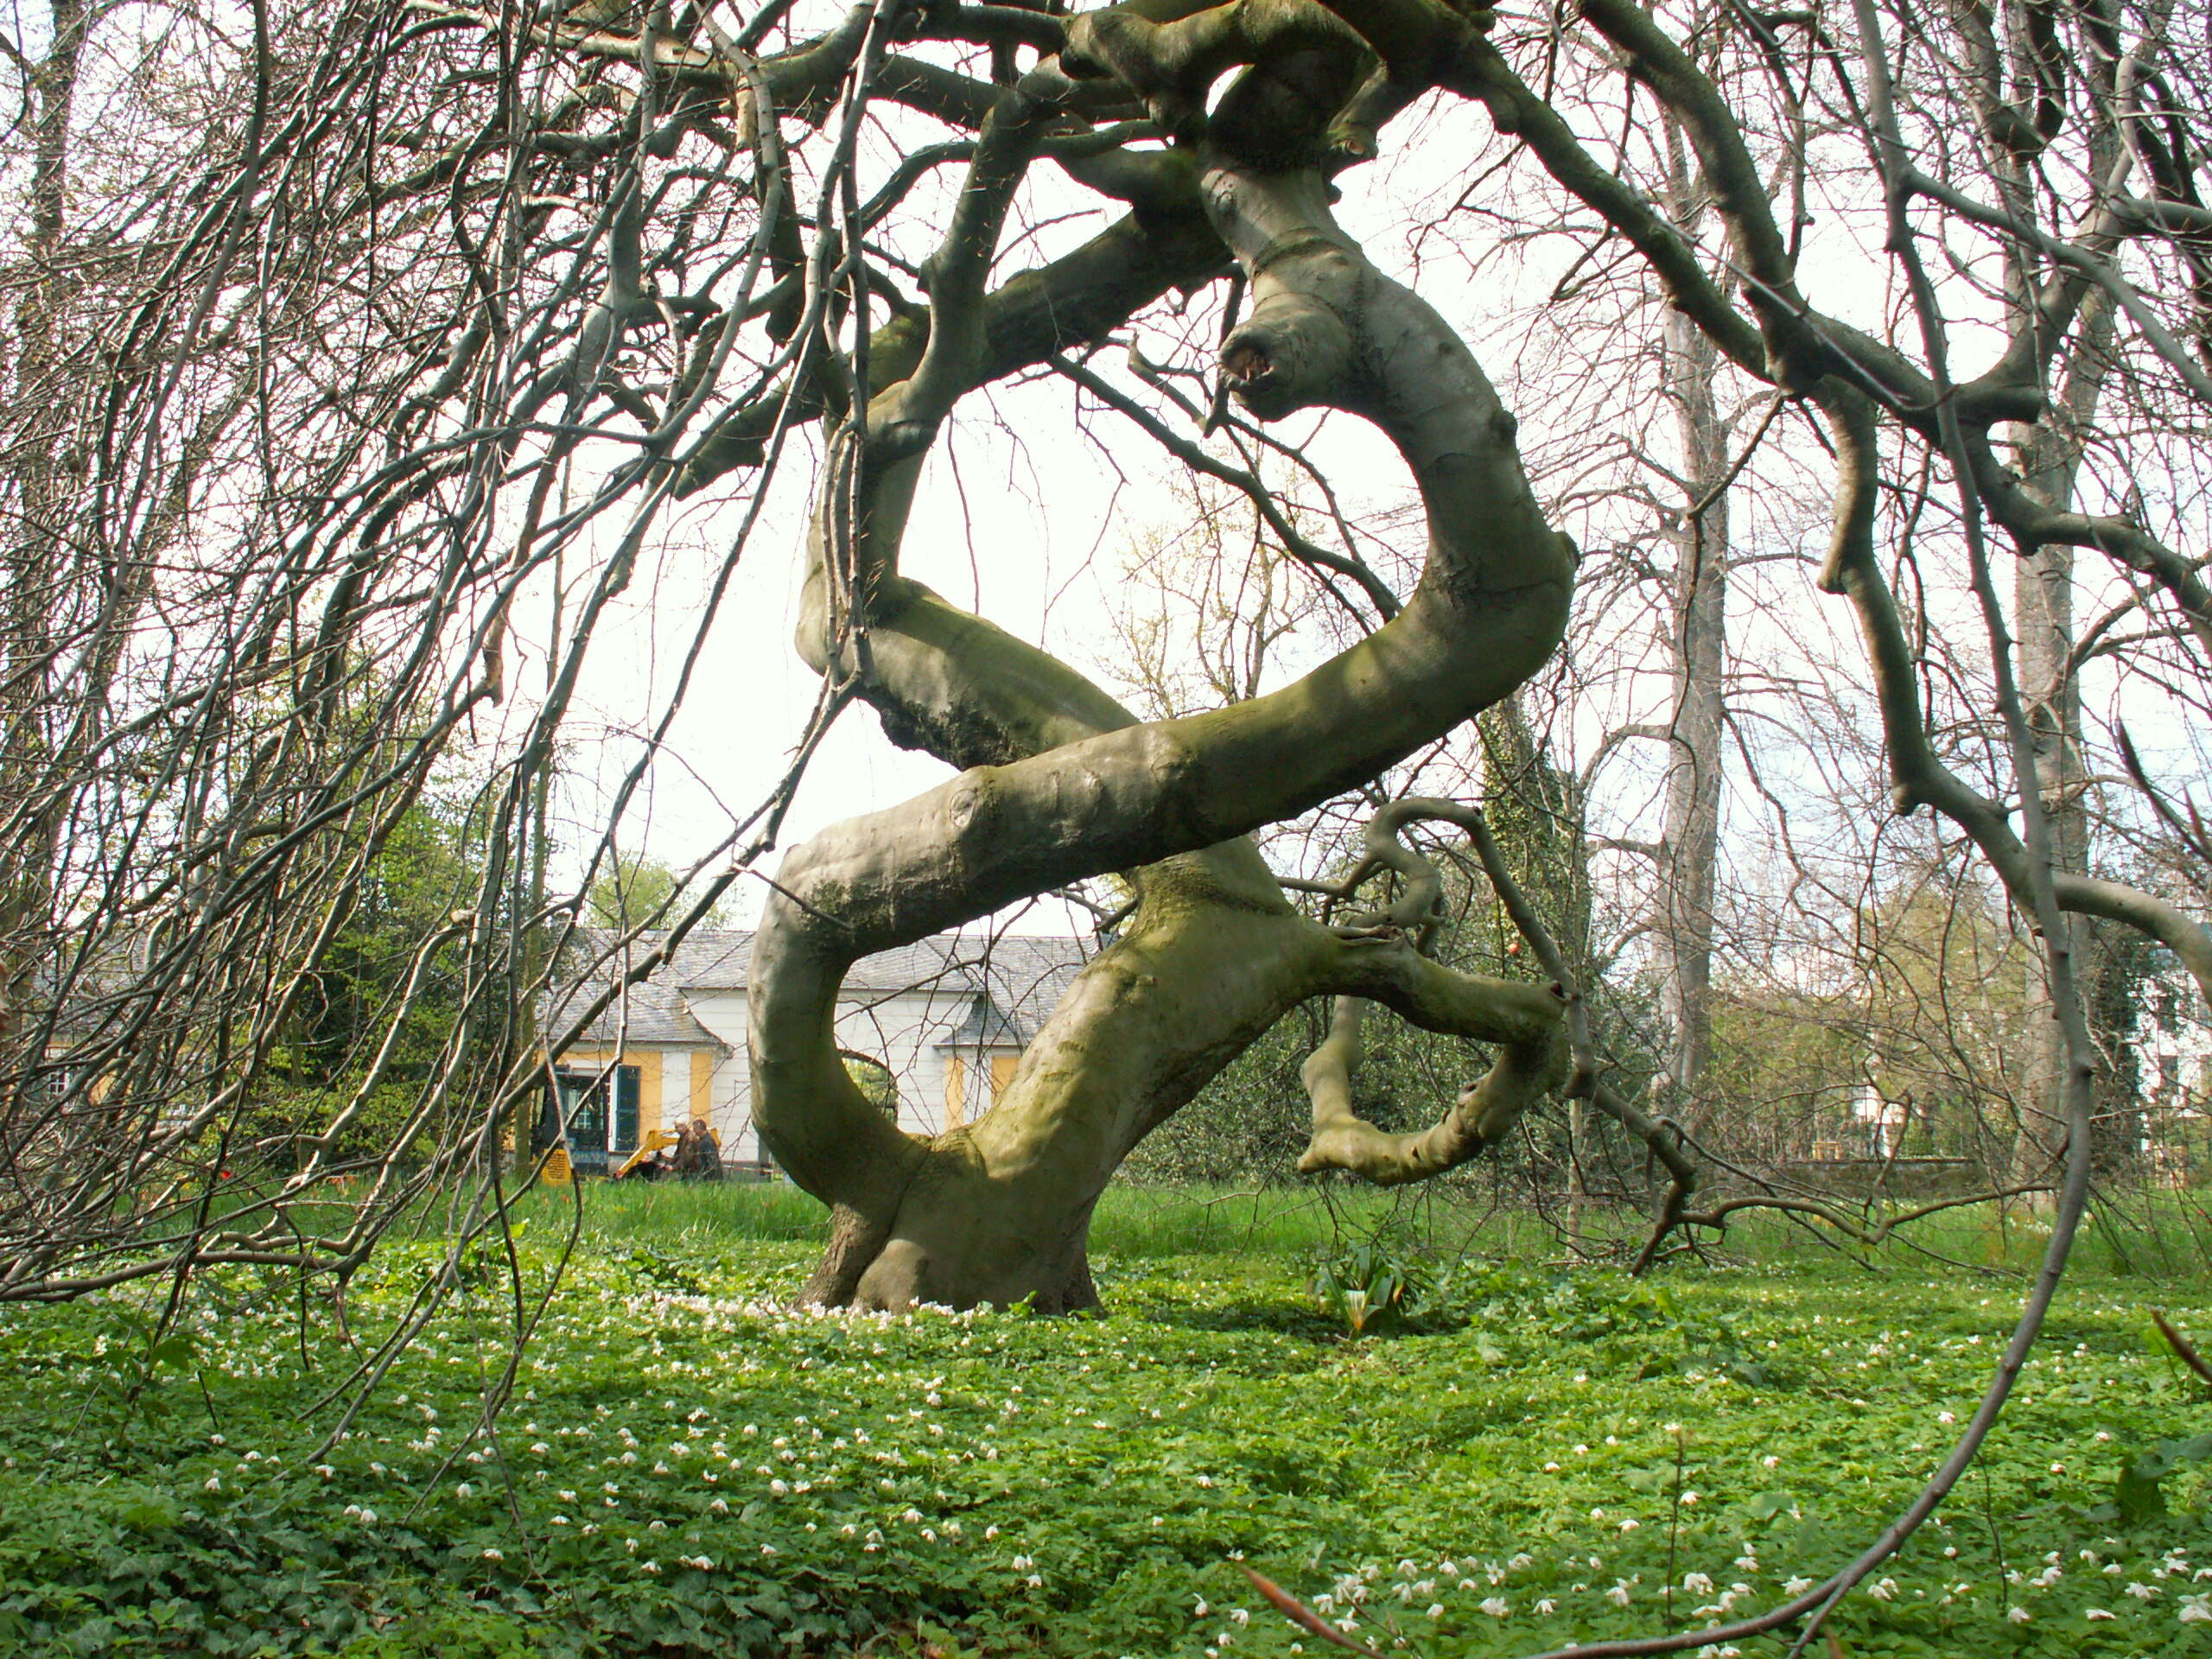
x: 1061, y: 784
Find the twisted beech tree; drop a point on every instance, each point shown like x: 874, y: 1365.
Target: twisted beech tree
x: 295, y: 445
x: 1060, y: 783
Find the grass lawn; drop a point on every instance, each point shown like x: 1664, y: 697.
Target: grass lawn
x: 685, y: 1468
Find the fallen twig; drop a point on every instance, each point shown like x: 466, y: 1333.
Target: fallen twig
x: 2184, y: 1348
x: 1302, y: 1615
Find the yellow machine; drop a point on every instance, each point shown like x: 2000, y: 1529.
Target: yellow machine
x: 657, y: 1140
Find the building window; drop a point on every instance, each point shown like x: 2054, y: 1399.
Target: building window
x: 600, y: 1108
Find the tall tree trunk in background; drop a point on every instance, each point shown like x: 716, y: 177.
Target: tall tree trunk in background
x: 2015, y: 70
x: 2049, y: 460
x: 1690, y: 831
x: 41, y: 479
x: 535, y: 821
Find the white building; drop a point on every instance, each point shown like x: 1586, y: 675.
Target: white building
x: 945, y: 1019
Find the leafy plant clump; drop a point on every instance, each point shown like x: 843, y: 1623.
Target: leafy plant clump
x: 1522, y: 1458
x: 1373, y: 1282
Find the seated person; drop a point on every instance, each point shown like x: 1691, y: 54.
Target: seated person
x: 698, y: 1155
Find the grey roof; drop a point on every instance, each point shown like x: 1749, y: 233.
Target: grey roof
x: 1022, y: 979
x: 985, y: 1026
x: 650, y: 1015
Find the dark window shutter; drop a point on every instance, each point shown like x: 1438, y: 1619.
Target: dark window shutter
x: 625, y: 1109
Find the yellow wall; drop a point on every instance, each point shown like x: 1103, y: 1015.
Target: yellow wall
x: 956, y: 1091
